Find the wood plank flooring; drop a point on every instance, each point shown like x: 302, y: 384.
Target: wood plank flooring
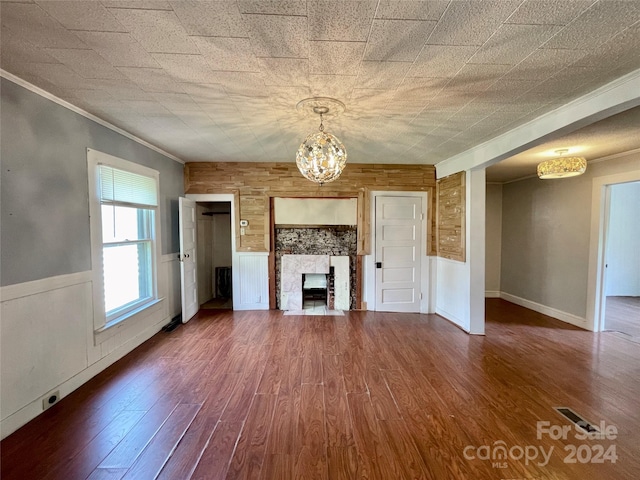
x: 622, y: 314
x: 239, y: 395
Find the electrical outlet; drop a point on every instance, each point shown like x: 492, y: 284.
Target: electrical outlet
x: 50, y: 399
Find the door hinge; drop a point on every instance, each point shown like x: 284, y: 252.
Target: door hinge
x: 422, y: 216
x: 420, y: 295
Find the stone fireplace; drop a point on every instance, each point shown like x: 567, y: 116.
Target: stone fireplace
x: 302, y: 250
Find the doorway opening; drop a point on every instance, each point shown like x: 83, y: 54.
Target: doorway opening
x: 598, y: 246
x: 621, y: 296
x: 214, y: 255
x: 190, y: 210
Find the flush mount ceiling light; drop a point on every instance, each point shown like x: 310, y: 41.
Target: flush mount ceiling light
x: 562, y: 167
x: 321, y: 157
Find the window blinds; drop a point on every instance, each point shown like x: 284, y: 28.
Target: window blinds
x: 127, y: 188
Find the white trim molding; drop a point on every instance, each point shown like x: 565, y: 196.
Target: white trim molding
x: 545, y: 310
x: 35, y: 287
x: 63, y: 103
x: 104, y: 327
x: 614, y: 97
x: 427, y: 284
x: 599, y: 219
x: 235, y: 255
x: 453, y: 319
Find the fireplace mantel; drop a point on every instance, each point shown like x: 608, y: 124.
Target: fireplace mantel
x: 294, y: 266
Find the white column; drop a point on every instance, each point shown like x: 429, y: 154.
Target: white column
x: 476, y: 202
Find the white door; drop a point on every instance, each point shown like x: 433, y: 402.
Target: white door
x: 188, y: 273
x: 398, y: 242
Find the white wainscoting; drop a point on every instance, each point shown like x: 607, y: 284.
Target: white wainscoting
x: 44, y: 342
x: 169, y: 282
x: 251, y: 282
x: 47, y: 338
x: 452, y: 291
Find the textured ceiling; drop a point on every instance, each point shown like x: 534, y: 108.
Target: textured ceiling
x: 613, y: 135
x: 219, y: 81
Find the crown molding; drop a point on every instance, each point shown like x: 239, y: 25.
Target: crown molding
x: 614, y: 156
x: 63, y: 103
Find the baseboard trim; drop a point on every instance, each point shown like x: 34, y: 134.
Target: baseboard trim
x: 251, y: 306
x: 30, y: 411
x: 492, y: 294
x: 545, y: 310
x: 451, y: 319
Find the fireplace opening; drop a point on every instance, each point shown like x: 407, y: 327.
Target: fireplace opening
x: 318, y: 290
x: 314, y: 286
x: 314, y: 290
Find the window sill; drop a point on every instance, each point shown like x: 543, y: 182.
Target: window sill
x: 116, y: 325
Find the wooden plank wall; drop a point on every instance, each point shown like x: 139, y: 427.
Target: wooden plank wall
x: 451, y: 217
x: 254, y: 184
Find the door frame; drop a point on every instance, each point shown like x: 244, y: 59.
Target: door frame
x: 600, y: 206
x: 225, y: 197
x: 369, y: 267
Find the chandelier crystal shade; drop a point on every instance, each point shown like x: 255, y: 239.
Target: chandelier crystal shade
x: 562, y: 167
x: 321, y: 157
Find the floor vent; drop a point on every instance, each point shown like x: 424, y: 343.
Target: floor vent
x: 577, y: 419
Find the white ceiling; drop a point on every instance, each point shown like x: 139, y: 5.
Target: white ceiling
x: 219, y: 81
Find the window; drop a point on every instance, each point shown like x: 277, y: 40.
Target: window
x: 123, y: 222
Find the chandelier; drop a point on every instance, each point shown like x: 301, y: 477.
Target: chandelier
x: 562, y: 167
x: 321, y: 156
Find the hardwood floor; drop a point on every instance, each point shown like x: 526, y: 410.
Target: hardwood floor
x: 622, y: 314
x: 235, y: 395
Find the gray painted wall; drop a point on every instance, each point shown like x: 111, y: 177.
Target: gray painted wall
x: 44, y: 186
x: 493, y: 238
x: 545, y: 236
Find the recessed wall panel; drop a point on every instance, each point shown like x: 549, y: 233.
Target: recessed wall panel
x: 398, y: 232
x: 390, y: 275
x: 399, y: 255
x: 398, y: 212
x: 398, y: 295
